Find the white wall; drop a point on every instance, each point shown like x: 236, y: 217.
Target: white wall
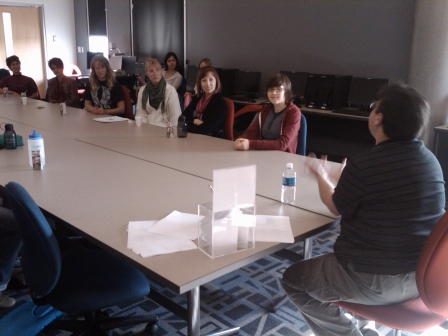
x: 59, y: 21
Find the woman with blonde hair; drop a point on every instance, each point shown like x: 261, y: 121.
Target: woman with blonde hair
x: 103, y: 95
x: 157, y: 101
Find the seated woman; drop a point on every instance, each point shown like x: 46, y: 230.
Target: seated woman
x: 170, y: 70
x: 103, y: 95
x: 61, y: 88
x: 277, y: 125
x: 157, y: 101
x: 207, y: 111
x: 18, y: 83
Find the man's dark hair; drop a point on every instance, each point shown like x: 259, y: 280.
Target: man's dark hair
x: 405, y: 111
x: 11, y: 59
x: 279, y: 80
x: 57, y: 62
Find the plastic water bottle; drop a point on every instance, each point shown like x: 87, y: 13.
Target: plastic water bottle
x: 182, y: 127
x: 36, y: 151
x: 289, y: 185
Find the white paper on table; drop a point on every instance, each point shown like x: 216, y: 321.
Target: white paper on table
x: 178, y: 224
x: 233, y: 187
x: 273, y: 229
x: 148, y: 244
x: 110, y: 119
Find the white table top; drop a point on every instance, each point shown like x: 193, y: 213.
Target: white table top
x: 97, y: 192
x: 197, y: 155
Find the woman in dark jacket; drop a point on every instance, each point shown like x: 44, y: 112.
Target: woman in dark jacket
x: 207, y: 111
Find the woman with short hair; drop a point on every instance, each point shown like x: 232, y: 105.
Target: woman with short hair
x: 277, y: 125
x: 103, y: 95
x: 157, y: 101
x: 207, y: 111
x: 18, y: 84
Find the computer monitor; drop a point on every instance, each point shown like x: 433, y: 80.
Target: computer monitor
x: 128, y: 64
x: 90, y: 55
x: 247, y: 83
x: 363, y: 91
x: 298, y: 83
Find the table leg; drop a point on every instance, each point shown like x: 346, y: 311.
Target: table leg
x: 194, y: 315
x: 308, y: 248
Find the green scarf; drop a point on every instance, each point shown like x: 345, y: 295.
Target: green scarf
x: 156, y: 93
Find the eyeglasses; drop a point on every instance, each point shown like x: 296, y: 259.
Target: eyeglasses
x: 272, y: 90
x: 374, y: 105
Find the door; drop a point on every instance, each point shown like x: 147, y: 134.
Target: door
x: 26, y: 24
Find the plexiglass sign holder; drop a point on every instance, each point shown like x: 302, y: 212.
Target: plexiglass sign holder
x: 227, y: 225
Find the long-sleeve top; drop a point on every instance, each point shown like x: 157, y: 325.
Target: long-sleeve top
x: 19, y: 83
x: 65, y: 90
x: 175, y: 80
x: 157, y: 117
x: 213, y: 116
x: 290, y: 125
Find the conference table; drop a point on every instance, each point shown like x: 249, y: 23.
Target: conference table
x: 99, y: 176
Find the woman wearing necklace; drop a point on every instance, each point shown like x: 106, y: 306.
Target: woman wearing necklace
x: 103, y: 95
x: 207, y: 111
x: 277, y: 125
x: 157, y: 101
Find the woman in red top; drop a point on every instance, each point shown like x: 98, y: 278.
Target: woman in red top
x: 277, y: 125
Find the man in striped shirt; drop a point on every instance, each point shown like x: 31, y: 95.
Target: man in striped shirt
x: 389, y: 198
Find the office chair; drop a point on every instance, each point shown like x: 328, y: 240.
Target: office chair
x: 243, y: 118
x: 4, y: 73
x: 431, y: 307
x: 78, y: 281
x: 128, y: 111
x: 181, y: 91
x: 228, y: 122
x: 301, y: 142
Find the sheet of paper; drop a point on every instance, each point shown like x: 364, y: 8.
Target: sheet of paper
x: 273, y: 229
x: 233, y: 187
x: 148, y: 244
x: 110, y: 119
x: 178, y: 224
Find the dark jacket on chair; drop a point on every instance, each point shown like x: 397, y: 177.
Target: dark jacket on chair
x: 213, y: 116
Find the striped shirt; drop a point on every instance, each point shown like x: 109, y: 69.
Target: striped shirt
x: 389, y: 199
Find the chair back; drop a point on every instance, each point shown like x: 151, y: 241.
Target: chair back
x: 41, y: 257
x: 181, y: 92
x: 128, y: 113
x: 301, y: 141
x: 432, y: 268
x: 228, y: 122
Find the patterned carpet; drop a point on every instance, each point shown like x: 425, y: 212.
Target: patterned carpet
x: 241, y: 298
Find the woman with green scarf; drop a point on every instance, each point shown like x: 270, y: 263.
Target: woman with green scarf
x: 157, y: 101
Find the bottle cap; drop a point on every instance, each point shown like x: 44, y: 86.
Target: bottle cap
x: 289, y: 165
x: 9, y: 127
x: 181, y: 118
x: 34, y: 135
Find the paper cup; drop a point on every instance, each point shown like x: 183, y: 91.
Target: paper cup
x: 24, y: 100
x: 138, y: 121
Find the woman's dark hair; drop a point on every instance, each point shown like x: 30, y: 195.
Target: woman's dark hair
x: 57, y: 62
x: 405, y: 111
x: 202, y: 73
x: 278, y: 80
x: 11, y: 59
x: 166, y: 60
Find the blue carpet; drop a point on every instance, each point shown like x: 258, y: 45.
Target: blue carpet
x: 240, y: 298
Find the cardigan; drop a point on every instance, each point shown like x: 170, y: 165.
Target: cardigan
x: 213, y: 116
x: 290, y: 125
